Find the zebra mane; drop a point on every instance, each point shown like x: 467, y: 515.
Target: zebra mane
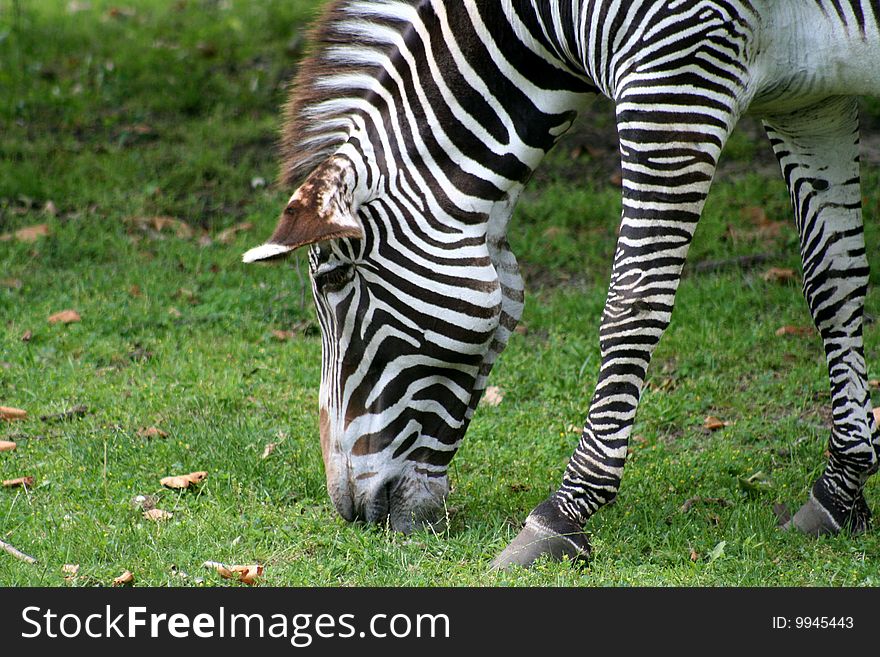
x: 314, y: 125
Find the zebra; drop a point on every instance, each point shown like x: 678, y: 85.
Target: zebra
x: 411, y: 131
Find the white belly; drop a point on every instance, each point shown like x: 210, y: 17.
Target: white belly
x: 805, y: 56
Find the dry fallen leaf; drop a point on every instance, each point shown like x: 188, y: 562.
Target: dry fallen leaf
x: 174, y: 312
x: 158, y: 515
x: 64, y: 317
x: 135, y: 291
x: 184, y: 481
x: 7, y: 446
x: 26, y: 482
x: 694, y: 555
x: 9, y: 414
x: 874, y: 383
x: 123, y: 579
x: 151, y: 432
x: 778, y: 275
x: 876, y: 413
x: 70, y: 569
x: 794, y: 330
x: 494, y: 395
x: 765, y: 227
x: 268, y: 450
x: 28, y: 234
x: 11, y: 283
x: 245, y: 574
x: 283, y: 336
x: 228, y: 236
x: 713, y: 423
x: 180, y: 229
x: 27, y: 336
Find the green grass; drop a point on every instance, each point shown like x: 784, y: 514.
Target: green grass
x: 173, y: 111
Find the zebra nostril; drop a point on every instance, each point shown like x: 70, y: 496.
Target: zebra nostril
x: 378, y: 505
x: 344, y: 506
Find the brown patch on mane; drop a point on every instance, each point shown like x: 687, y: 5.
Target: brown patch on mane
x: 299, y: 155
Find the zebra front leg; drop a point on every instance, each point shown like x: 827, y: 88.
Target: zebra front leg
x: 667, y: 172
x: 818, y: 150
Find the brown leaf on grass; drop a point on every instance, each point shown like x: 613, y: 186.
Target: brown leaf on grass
x: 245, y: 574
x: 779, y: 275
x: 162, y: 224
x: 151, y: 432
x: 64, y: 317
x: 765, y: 227
x: 125, y: 578
x: 755, y: 214
x: 493, y: 396
x: 51, y: 208
x: 27, y: 336
x: 25, y: 482
x: 11, y: 283
x: 876, y: 413
x: 7, y: 446
x: 157, y: 515
x: 694, y: 556
x: 28, y: 234
x: 70, y: 570
x: 121, y: 12
x: 794, y: 330
x: 270, y: 447
x: 228, y: 236
x: 874, y: 383
x: 135, y: 291
x: 10, y: 414
x: 713, y: 423
x: 283, y: 336
x: 178, y: 482
x: 174, y: 312
x: 553, y: 232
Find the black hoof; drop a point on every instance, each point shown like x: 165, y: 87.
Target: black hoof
x: 817, y: 519
x: 546, y: 531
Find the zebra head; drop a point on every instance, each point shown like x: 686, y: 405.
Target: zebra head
x: 412, y: 315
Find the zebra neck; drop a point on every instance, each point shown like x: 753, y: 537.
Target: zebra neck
x: 512, y: 290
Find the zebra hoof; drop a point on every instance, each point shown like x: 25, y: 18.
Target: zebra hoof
x: 813, y: 519
x: 545, y: 532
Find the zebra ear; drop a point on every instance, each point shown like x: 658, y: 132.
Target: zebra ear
x: 320, y: 210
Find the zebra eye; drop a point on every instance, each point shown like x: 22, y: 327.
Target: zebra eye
x: 333, y: 280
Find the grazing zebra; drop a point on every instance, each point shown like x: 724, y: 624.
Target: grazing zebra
x: 410, y: 133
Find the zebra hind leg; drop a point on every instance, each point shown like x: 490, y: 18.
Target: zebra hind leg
x: 818, y: 150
